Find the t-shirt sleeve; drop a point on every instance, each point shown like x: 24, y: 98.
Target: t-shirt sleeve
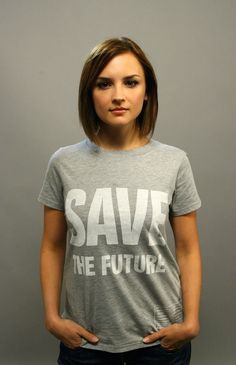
x: 51, y: 193
x: 185, y: 197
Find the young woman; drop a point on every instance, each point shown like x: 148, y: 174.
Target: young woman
x: 107, y: 199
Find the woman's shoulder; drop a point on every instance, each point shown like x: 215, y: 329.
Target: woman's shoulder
x: 168, y: 149
x: 68, y: 151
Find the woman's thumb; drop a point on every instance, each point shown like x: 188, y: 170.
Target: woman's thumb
x: 91, y: 337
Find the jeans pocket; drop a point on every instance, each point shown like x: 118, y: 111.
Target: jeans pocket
x: 63, y: 347
x: 179, y: 349
x: 170, y: 350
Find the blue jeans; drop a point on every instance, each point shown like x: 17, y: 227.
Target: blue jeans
x: 152, y: 355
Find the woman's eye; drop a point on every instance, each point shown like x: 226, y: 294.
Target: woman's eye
x: 132, y: 82
x: 104, y: 84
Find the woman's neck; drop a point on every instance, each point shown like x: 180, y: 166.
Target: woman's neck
x: 119, y: 138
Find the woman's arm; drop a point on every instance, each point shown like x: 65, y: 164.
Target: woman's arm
x: 52, y: 256
x: 188, y: 257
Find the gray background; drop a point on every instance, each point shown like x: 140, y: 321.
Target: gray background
x: 44, y: 44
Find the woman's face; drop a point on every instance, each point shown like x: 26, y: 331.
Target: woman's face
x: 115, y: 87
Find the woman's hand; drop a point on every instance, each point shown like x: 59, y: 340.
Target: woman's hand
x: 174, y: 336
x: 70, y: 332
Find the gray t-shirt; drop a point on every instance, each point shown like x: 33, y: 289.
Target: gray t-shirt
x: 121, y: 279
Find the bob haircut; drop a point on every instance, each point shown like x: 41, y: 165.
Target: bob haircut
x: 98, y: 58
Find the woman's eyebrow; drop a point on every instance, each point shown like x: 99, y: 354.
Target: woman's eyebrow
x: 108, y: 78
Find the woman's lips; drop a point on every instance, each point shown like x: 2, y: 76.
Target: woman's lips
x: 118, y: 111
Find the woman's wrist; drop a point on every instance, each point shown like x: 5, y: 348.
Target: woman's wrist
x: 51, y: 320
x: 192, y: 326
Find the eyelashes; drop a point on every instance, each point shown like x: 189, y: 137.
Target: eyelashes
x: 102, y: 84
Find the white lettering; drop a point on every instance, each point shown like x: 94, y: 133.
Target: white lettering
x: 83, y: 265
x: 131, y: 231
x: 102, y: 202
x: 158, y: 218
x: 79, y: 196
x: 102, y: 208
x: 122, y: 263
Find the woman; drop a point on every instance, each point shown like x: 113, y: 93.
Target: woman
x: 127, y: 298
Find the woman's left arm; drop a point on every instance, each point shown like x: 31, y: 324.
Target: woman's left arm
x: 188, y: 256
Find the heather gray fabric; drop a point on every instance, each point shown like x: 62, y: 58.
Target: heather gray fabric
x: 121, y: 279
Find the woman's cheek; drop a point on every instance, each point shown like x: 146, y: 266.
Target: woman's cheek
x: 138, y: 102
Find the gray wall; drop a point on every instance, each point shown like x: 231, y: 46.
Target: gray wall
x: 191, y: 45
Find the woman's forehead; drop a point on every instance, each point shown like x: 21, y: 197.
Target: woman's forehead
x: 122, y: 65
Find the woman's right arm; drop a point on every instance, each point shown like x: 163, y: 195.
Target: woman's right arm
x: 52, y: 258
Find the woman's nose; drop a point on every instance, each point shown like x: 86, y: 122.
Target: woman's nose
x: 118, y: 93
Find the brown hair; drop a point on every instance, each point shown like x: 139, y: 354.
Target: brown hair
x: 98, y: 58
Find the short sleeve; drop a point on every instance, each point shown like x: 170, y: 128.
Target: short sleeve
x: 185, y: 197
x: 51, y: 193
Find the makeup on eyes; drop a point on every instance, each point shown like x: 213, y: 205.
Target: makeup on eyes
x: 101, y: 83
